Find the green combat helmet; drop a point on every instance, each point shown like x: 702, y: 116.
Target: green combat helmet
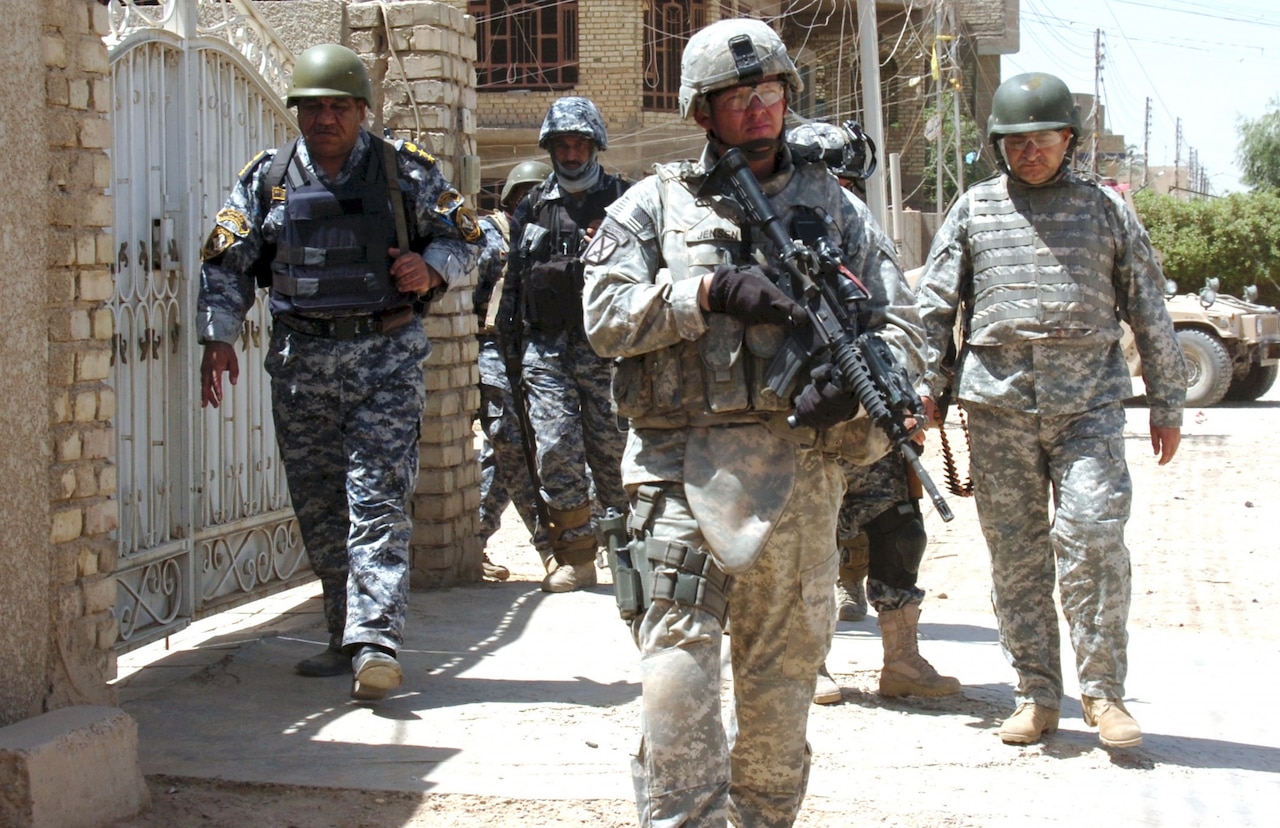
x: 729, y: 53
x: 1031, y: 102
x: 526, y: 172
x: 329, y: 71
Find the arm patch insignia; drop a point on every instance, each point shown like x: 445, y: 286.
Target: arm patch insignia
x: 233, y: 220
x: 217, y: 243
x: 607, y: 241
x: 465, y: 220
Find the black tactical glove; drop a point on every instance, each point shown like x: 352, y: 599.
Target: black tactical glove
x: 745, y: 292
x: 824, y: 402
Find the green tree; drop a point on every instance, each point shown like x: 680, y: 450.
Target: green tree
x: 1236, y: 239
x: 972, y: 160
x: 1258, y: 152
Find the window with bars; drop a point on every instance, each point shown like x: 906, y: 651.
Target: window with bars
x: 525, y: 44
x: 667, y: 26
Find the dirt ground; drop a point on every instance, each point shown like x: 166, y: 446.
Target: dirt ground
x: 1203, y: 545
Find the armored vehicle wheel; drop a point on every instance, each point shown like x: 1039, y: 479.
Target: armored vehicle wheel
x: 1254, y: 384
x: 1208, y: 368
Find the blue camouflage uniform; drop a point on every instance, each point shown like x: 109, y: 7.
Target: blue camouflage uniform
x: 1041, y: 277
x: 504, y: 472
x: 347, y: 409
x: 725, y: 495
x: 579, y: 439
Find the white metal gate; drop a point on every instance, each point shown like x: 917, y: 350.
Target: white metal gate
x: 205, y: 520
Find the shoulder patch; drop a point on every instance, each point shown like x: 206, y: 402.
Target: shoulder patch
x: 607, y: 241
x: 252, y: 162
x: 418, y: 152
x: 465, y: 220
x: 233, y: 220
x: 217, y: 243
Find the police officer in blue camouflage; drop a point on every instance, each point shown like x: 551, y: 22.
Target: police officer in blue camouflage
x: 316, y: 221
x: 565, y: 384
x: 733, y: 510
x: 881, y: 537
x: 504, y: 470
x: 1041, y: 266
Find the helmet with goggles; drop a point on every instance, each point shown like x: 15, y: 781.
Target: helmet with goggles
x: 729, y: 53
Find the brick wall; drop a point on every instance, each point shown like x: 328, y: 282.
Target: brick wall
x: 424, y: 54
x: 71, y: 213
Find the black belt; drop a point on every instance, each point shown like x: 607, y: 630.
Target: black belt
x: 349, y: 327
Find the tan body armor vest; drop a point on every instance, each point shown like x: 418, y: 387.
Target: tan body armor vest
x: 1040, y: 268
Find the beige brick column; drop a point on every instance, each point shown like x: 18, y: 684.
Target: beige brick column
x: 82, y: 471
x: 424, y: 53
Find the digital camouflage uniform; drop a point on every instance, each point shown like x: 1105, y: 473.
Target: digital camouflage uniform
x: 713, y: 468
x: 347, y: 411
x: 504, y: 472
x: 566, y: 384
x: 1046, y: 273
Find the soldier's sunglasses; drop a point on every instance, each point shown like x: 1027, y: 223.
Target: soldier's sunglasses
x: 739, y: 98
x: 1042, y: 140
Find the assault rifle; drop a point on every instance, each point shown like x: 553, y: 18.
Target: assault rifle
x: 510, y: 336
x: 862, y: 364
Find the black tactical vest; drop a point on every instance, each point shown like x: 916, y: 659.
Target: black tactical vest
x: 549, y: 250
x: 331, y: 255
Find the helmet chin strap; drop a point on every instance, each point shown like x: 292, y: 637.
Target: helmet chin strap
x: 757, y: 150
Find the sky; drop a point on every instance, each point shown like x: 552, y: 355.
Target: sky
x: 1208, y: 62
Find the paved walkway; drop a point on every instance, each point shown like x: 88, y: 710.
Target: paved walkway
x: 510, y: 692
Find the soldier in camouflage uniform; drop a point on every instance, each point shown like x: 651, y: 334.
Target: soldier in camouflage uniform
x: 732, y: 508
x: 881, y: 537
x: 347, y: 342
x: 504, y: 471
x: 566, y: 385
x: 1042, y: 266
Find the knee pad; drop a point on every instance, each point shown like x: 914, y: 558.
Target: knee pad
x: 897, y: 536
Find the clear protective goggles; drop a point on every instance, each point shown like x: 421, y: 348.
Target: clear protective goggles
x: 1012, y: 145
x: 739, y: 98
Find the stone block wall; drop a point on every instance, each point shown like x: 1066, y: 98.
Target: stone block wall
x: 422, y: 59
x: 57, y: 555
x: 82, y: 404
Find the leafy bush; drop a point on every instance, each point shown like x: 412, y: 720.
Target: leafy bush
x: 1235, y: 238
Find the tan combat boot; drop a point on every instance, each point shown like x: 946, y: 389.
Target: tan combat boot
x: 905, y: 672
x: 570, y: 577
x: 851, y: 591
x: 1116, y: 728
x: 826, y: 691
x: 572, y: 564
x: 1028, y: 723
x: 494, y: 571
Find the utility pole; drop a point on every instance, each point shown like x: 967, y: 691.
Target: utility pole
x: 944, y: 21
x: 937, y: 110
x: 1146, y: 144
x: 1177, y: 155
x: 873, y: 109
x: 1097, y: 96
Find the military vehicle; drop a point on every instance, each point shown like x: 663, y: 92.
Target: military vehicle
x: 1232, y: 345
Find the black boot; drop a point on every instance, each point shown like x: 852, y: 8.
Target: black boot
x: 334, y: 661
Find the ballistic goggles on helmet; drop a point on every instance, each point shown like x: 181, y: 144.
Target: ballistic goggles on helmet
x: 739, y: 98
